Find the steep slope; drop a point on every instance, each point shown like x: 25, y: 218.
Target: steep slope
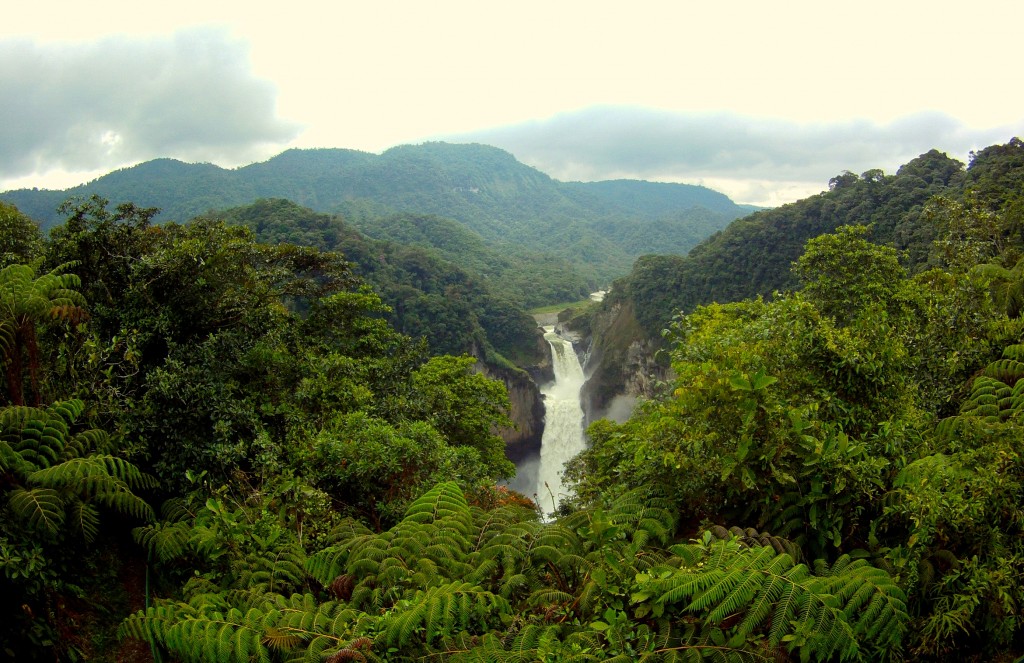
x: 754, y: 255
x: 455, y: 311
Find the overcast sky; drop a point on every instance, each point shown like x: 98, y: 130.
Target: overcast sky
x: 762, y: 100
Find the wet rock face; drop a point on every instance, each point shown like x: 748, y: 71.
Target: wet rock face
x: 527, y: 405
x: 620, y: 364
x: 528, y: 415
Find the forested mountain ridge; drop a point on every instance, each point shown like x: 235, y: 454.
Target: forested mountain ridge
x: 753, y: 255
x: 515, y: 208
x: 455, y: 310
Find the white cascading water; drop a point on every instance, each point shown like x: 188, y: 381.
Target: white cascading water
x: 563, y: 422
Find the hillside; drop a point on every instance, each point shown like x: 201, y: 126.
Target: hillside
x: 454, y: 310
x: 753, y: 255
x: 332, y: 488
x: 599, y: 228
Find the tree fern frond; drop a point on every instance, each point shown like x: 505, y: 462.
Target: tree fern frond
x: 281, y: 639
x: 438, y: 609
x: 444, y: 501
x: 41, y: 508
x: 849, y: 603
x: 124, y: 501
x: 1008, y: 371
x: 327, y: 564
x: 175, y: 510
x: 85, y: 519
x: 165, y: 541
x: 87, y: 442
x: 93, y: 474
x: 279, y: 571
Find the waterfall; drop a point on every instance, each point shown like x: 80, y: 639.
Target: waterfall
x: 563, y: 422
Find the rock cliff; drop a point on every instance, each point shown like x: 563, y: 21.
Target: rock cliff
x: 620, y: 361
x: 527, y: 406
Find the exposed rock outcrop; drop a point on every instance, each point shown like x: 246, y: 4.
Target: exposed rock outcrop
x: 619, y: 360
x: 527, y: 406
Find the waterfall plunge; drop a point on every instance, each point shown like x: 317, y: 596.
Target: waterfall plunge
x: 563, y: 422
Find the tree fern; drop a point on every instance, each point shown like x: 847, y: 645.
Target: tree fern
x: 55, y: 483
x: 847, y: 607
x: 164, y: 541
x: 276, y: 571
x: 25, y: 301
x: 443, y: 503
x: 443, y: 610
x: 997, y: 395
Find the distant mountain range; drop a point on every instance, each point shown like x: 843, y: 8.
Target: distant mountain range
x: 598, y: 227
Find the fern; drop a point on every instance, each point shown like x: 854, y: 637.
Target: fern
x: 280, y: 571
x: 41, y: 508
x: 441, y: 610
x: 445, y: 502
x: 832, y: 614
x: 164, y: 541
x: 245, y: 626
x: 997, y: 395
x: 55, y: 481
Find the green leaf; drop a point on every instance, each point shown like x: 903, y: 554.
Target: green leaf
x: 761, y: 381
x: 740, y: 383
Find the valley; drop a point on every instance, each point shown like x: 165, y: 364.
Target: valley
x: 814, y: 405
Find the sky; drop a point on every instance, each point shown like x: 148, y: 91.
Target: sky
x: 762, y: 100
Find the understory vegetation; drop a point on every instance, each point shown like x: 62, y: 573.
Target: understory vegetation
x: 215, y: 449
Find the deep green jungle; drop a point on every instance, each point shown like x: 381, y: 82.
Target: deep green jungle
x: 257, y: 432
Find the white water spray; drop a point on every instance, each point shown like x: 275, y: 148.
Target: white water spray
x: 563, y: 423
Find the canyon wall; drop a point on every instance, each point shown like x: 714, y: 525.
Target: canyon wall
x: 621, y: 363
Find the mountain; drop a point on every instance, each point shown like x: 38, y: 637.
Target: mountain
x: 457, y: 311
x: 599, y: 228
x: 754, y: 255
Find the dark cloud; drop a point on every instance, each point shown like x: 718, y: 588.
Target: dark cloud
x: 603, y: 142
x: 106, y: 103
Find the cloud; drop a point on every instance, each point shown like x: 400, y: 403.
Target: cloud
x: 107, y: 103
x: 753, y: 159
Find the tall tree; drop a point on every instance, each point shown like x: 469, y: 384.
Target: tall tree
x: 20, y: 239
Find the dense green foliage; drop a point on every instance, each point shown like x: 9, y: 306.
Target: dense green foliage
x: 456, y: 310
x: 206, y: 359
x: 458, y: 582
x: 593, y: 231
x: 20, y: 239
x: 873, y: 414
x: 836, y: 475
x: 753, y: 255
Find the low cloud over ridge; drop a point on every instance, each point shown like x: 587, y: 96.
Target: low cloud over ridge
x: 757, y: 160
x: 103, y: 104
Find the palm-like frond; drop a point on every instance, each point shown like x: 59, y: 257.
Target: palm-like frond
x: 846, y: 607
x: 57, y: 480
x: 41, y: 509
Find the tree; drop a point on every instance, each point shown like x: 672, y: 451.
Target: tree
x: 54, y: 480
x: 27, y: 301
x: 843, y: 180
x: 20, y: 239
x: 842, y: 273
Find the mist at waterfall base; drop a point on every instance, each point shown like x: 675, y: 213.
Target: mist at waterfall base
x: 540, y: 475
